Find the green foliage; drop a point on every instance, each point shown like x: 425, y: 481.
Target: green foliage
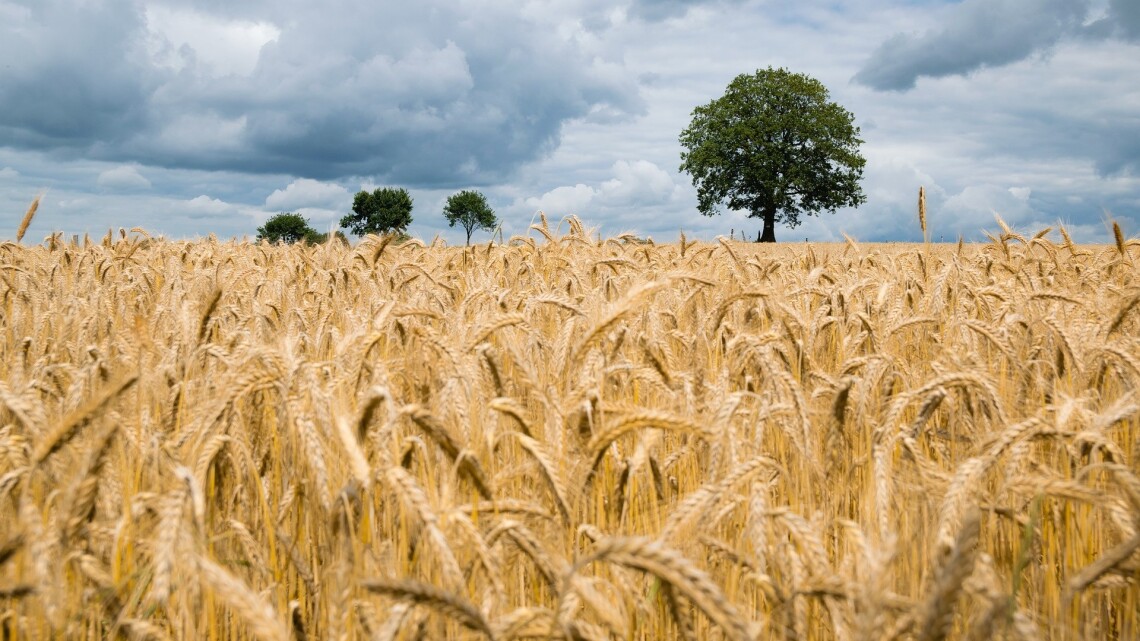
x: 470, y: 209
x: 775, y: 146
x: 318, y: 238
x: 286, y: 227
x: 385, y: 210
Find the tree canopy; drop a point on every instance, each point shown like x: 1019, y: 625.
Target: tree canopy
x: 470, y: 210
x: 386, y: 209
x: 286, y: 227
x: 775, y: 146
x: 290, y: 228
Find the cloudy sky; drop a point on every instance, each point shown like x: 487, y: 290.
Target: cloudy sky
x: 191, y: 117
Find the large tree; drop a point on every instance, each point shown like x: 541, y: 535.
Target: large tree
x: 384, y: 210
x: 776, y: 147
x: 470, y: 209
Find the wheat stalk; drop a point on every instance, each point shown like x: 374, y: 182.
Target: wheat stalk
x: 27, y: 219
x: 445, y: 603
x: 263, y: 621
x: 483, y: 421
x: 1106, y: 563
x: 669, y: 566
x: 80, y: 417
x: 936, y: 613
x: 922, y: 213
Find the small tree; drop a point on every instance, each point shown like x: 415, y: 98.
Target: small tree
x: 384, y: 210
x: 320, y: 238
x: 774, y: 146
x: 285, y: 227
x: 470, y: 209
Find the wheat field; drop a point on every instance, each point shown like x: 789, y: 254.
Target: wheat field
x: 567, y: 438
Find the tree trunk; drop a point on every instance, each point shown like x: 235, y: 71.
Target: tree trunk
x: 469, y: 229
x: 769, y: 234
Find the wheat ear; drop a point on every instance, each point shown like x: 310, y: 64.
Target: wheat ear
x: 465, y: 463
x: 1102, y: 566
x: 635, y: 421
x: 415, y: 500
x: 922, y: 211
x: 27, y: 220
x: 257, y: 612
x: 448, y: 604
x: 668, y: 565
x: 549, y: 472
x: 699, y: 502
x: 936, y: 614
x: 10, y: 547
x: 82, y: 415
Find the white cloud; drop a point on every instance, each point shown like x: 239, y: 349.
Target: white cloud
x: 1021, y: 193
x: 8, y: 173
x: 635, y: 185
x: 125, y: 177
x: 978, y: 204
x: 207, y: 205
x: 209, y: 208
x: 640, y: 182
x: 308, y: 193
x: 564, y: 201
x: 178, y: 36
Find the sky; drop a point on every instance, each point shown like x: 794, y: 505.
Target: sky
x: 195, y: 117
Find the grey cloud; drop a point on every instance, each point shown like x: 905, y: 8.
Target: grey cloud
x: 657, y: 10
x: 661, y: 9
x: 1122, y: 20
x: 1127, y: 15
x: 1121, y: 151
x: 978, y: 33
x: 1106, y: 137
x: 70, y: 76
x: 412, y: 93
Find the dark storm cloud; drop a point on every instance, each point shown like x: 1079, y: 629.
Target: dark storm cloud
x: 1085, y: 120
x: 1127, y: 14
x: 978, y: 33
x: 68, y: 77
x: 1111, y: 140
x: 417, y: 93
x: 1123, y: 20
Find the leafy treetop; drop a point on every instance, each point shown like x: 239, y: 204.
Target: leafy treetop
x: 470, y: 209
x: 775, y: 146
x: 384, y: 210
x: 286, y: 227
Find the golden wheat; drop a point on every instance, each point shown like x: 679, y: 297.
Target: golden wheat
x: 922, y: 212
x: 27, y: 219
x: 570, y: 438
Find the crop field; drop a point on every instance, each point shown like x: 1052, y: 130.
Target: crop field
x: 562, y: 437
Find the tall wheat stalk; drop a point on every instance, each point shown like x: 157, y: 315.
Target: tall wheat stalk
x: 922, y: 213
x: 27, y: 219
